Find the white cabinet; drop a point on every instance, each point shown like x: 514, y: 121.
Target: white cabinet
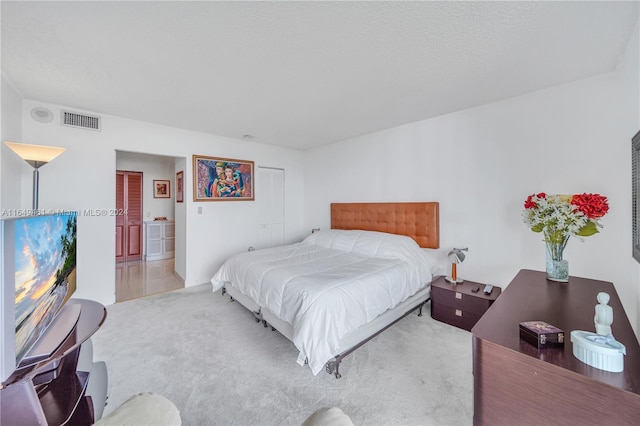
x: 160, y: 241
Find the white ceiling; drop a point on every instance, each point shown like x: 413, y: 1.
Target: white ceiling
x: 302, y: 74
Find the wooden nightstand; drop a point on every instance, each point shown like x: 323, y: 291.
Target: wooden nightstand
x: 457, y: 304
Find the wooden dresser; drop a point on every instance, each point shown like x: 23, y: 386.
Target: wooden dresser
x: 515, y: 383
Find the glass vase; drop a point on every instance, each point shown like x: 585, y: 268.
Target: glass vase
x: 557, y: 267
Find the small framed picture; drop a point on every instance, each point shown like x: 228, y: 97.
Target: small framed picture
x: 161, y: 189
x: 179, y: 187
x: 222, y: 179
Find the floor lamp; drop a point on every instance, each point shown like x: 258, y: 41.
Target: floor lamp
x: 37, y: 156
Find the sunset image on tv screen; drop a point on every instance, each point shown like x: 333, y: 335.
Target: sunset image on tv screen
x: 45, y: 263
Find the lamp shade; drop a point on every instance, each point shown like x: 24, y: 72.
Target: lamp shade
x: 456, y: 255
x: 36, y: 155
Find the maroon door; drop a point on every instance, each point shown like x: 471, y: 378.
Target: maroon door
x: 129, y: 217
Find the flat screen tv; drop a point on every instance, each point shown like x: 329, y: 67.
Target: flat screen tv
x: 38, y: 277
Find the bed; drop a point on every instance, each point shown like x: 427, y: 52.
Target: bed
x: 335, y: 290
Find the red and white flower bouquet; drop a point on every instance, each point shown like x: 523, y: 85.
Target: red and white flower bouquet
x: 560, y: 216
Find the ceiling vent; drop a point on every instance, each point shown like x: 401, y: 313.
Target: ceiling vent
x: 84, y: 121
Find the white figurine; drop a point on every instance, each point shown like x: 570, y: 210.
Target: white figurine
x: 604, y: 315
x: 600, y: 349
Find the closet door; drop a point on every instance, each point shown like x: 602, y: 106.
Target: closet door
x: 270, y: 199
x: 129, y: 218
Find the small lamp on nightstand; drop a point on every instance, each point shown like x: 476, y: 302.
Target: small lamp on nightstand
x: 456, y: 256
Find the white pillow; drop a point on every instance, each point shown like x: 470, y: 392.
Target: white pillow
x: 375, y: 244
x: 438, y: 259
x: 365, y: 243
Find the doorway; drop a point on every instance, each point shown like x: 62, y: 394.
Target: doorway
x: 129, y: 217
x: 141, y: 275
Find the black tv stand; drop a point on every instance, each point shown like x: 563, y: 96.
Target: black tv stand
x: 52, y: 391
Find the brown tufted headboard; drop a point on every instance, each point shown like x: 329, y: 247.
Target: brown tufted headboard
x: 419, y: 221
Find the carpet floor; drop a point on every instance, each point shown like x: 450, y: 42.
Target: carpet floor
x: 219, y: 367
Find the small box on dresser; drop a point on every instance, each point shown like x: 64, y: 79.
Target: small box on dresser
x: 460, y: 305
x: 540, y: 334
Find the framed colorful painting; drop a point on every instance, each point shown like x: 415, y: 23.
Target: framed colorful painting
x: 180, y: 187
x: 161, y: 189
x: 222, y: 179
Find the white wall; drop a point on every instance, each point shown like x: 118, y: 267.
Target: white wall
x: 10, y: 130
x: 481, y: 164
x: 83, y: 178
x: 180, y: 210
x: 631, y: 67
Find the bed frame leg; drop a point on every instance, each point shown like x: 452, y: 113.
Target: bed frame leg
x: 332, y: 367
x: 421, y: 306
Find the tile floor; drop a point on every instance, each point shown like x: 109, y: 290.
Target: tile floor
x: 139, y: 278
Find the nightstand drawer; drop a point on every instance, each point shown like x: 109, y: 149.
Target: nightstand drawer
x: 462, y: 300
x: 453, y: 316
x: 459, y: 304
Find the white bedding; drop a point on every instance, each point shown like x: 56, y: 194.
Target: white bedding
x: 330, y: 284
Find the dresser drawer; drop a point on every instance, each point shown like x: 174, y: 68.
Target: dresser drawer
x: 461, y: 300
x: 454, y: 316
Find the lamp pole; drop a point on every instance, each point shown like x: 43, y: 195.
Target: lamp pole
x: 36, y: 180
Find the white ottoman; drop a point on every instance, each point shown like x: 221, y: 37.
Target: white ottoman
x: 143, y: 409
x: 328, y: 417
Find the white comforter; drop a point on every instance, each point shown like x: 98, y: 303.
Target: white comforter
x: 329, y: 284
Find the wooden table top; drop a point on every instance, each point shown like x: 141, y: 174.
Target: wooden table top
x: 568, y: 306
